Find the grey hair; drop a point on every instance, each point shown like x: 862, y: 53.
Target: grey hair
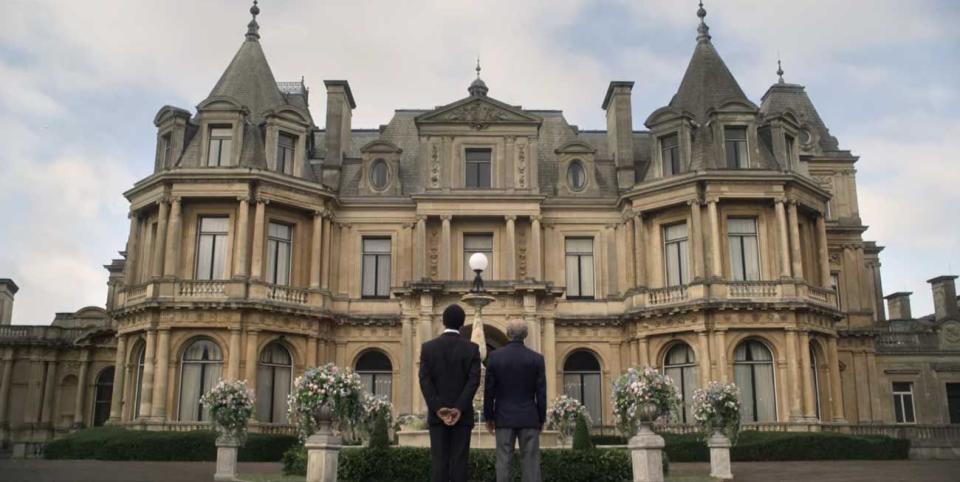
x: 516, y: 330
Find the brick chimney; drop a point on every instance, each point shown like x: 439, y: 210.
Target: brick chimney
x: 898, y: 305
x: 617, y: 103
x: 340, y: 105
x: 944, y: 298
x: 7, y: 290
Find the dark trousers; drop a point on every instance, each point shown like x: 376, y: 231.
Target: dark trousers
x: 449, y: 449
x: 529, y: 439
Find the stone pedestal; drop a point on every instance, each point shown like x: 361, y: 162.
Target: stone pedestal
x: 227, y: 446
x: 719, y: 456
x: 323, y: 449
x: 646, y: 453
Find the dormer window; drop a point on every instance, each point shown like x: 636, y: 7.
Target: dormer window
x: 670, y: 154
x: 790, y: 143
x: 221, y: 146
x: 166, y: 150
x: 478, y: 168
x: 379, y: 174
x: 576, y: 176
x: 286, y: 146
x: 735, y: 141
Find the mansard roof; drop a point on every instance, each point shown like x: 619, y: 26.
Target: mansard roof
x: 783, y: 98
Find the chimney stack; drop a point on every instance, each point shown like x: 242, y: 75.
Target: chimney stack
x: 620, y: 130
x: 944, y: 298
x: 898, y: 305
x: 340, y: 105
x: 7, y: 289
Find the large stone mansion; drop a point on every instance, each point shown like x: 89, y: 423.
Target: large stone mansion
x: 723, y: 242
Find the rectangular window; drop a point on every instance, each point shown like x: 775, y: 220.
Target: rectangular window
x: 285, y: 150
x: 375, y: 281
x: 670, y: 154
x: 953, y: 402
x: 477, y: 167
x: 279, y: 249
x: 221, y: 144
x: 835, y: 284
x: 166, y: 151
x: 212, y: 248
x: 579, y: 266
x: 735, y: 141
x: 903, y: 402
x: 477, y: 243
x: 788, y: 140
x: 676, y: 254
x: 744, y: 249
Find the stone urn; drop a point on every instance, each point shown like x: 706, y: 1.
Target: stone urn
x: 646, y: 447
x: 227, y: 445
x: 719, y: 446
x: 323, y: 449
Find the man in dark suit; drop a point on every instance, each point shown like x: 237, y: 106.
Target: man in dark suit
x: 449, y: 378
x: 515, y: 403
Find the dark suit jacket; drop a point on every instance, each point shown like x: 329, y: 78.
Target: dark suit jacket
x: 515, y: 389
x: 449, y: 376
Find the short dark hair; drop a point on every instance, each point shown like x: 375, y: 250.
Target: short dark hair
x: 453, y: 317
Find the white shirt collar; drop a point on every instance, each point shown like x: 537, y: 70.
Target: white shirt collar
x: 450, y: 330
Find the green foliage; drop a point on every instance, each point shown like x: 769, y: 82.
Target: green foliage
x: 111, y: 443
x: 581, y: 435
x: 769, y: 446
x: 379, y: 438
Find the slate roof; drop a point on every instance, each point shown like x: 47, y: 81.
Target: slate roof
x: 249, y: 80
x: 706, y: 83
x: 784, y: 97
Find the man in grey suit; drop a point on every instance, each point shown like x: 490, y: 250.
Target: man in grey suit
x: 515, y: 403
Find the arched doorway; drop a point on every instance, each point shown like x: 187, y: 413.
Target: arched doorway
x: 103, y: 396
x: 200, y: 369
x: 274, y: 372
x: 581, y: 380
x: 753, y: 373
x: 376, y: 373
x: 680, y: 364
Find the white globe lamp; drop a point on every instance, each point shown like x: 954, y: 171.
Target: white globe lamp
x: 478, y: 263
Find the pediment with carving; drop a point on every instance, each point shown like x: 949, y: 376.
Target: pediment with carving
x: 479, y: 113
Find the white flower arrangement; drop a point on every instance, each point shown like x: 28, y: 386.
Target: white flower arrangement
x: 563, y: 413
x: 642, y: 396
x: 327, y: 387
x: 231, y: 405
x: 717, y: 408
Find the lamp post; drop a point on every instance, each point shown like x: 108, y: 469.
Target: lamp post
x: 478, y: 298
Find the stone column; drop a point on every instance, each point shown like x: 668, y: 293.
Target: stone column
x: 240, y: 244
x: 256, y: 256
x: 535, y: 264
x: 874, y: 385
x: 795, y: 240
x: 510, y: 252
x: 784, y: 239
x: 160, y: 374
x: 34, y: 399
x: 809, y: 402
x: 311, y: 351
x: 823, y: 252
x: 793, y: 373
x: 119, y: 370
x: 78, y: 410
x: 640, y: 243
x: 130, y: 264
x: 172, y: 259
x: 836, y: 384
x: 716, y: 268
x: 719, y: 456
x: 250, y: 372
x: 696, y: 238
x: 233, y: 360
x: 704, y: 358
x: 550, y: 356
x: 407, y: 368
x: 720, y: 351
x: 49, y: 389
x: 146, y: 390
x: 420, y: 249
x: 325, y: 253
x: 158, y: 243
x: 530, y: 318
x: 5, y: 386
x: 446, y: 272
x: 315, y: 240
x: 610, y: 253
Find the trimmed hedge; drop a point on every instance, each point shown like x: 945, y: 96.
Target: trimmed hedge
x: 111, y: 443
x: 412, y: 463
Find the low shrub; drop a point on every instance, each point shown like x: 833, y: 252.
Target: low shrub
x: 111, y: 443
x: 752, y: 446
x: 581, y: 435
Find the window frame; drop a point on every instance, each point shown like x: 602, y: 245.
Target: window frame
x: 284, y: 164
x: 372, y: 176
x: 378, y: 259
x: 203, y: 372
x: 580, y: 264
x: 676, y: 165
x: 688, y: 365
x: 166, y: 150
x: 899, y: 406
x: 741, y: 239
x: 216, y: 234
x: 274, y: 253
x: 743, y: 163
x: 466, y: 167
x: 220, y: 138
x: 683, y: 271
x: 468, y: 275
x: 576, y: 164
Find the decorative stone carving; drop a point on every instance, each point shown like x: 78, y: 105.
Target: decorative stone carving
x: 478, y: 114
x: 435, y: 167
x: 521, y: 256
x: 522, y: 165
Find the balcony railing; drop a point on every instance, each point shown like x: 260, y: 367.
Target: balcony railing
x: 754, y: 289
x: 287, y: 294
x: 711, y: 290
x: 201, y: 289
x: 41, y: 334
x: 663, y: 296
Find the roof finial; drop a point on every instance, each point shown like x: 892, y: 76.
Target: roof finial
x: 779, y: 69
x: 703, y: 31
x: 253, y: 28
x: 478, y: 66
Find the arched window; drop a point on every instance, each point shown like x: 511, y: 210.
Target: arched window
x: 141, y: 352
x: 680, y: 364
x: 379, y: 174
x: 753, y: 373
x: 200, y: 369
x: 581, y: 380
x: 576, y: 176
x: 102, y: 396
x: 376, y: 373
x: 273, y: 383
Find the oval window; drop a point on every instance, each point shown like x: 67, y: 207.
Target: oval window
x: 378, y: 174
x: 576, y: 176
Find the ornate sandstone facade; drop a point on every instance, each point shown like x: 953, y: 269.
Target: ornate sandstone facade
x: 722, y: 243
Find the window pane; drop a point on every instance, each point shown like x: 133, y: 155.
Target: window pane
x: 219, y: 256
x: 271, y: 260
x: 378, y: 176
x: 283, y: 264
x: 383, y: 275
x: 579, y: 245
x: 675, y: 232
x: 751, y: 258
x: 908, y: 409
x: 478, y: 242
x: 214, y: 225
x: 898, y: 407
x: 213, y: 156
x: 672, y: 259
x: 376, y: 245
x: 369, y: 275
x: 477, y: 168
x: 586, y: 276
x: 204, y: 257
x: 742, y: 226
x: 737, y: 269
x: 573, y: 275
x: 280, y: 231
x: 684, y: 262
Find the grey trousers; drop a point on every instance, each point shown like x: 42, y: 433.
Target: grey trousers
x: 529, y: 453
